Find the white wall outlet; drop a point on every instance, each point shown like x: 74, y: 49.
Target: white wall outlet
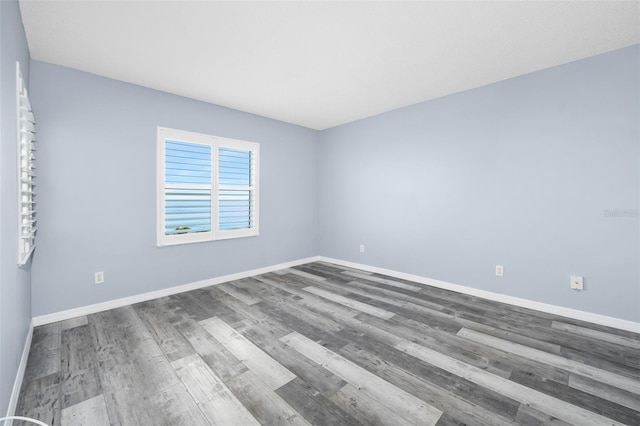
x: 361, y: 248
x: 577, y: 282
x: 99, y: 277
x: 499, y: 270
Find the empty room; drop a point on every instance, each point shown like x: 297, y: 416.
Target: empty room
x: 319, y: 213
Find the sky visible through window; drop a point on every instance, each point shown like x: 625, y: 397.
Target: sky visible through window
x: 188, y: 188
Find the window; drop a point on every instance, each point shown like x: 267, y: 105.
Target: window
x: 26, y: 172
x: 207, y: 187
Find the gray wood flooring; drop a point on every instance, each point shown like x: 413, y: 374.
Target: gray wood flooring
x: 326, y: 345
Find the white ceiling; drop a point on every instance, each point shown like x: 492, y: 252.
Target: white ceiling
x: 321, y: 64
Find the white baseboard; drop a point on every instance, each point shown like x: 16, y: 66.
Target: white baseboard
x: 516, y: 301
x: 118, y: 303
x: 17, y: 384
x: 524, y: 303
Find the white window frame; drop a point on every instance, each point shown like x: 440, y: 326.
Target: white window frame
x: 215, y: 143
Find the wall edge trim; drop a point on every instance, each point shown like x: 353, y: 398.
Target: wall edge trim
x: 17, y: 384
x: 497, y: 297
x: 143, y: 297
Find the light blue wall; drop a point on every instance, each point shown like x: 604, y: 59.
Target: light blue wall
x: 97, y: 193
x: 520, y: 173
x: 15, y: 283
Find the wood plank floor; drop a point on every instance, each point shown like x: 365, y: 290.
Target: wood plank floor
x: 327, y: 345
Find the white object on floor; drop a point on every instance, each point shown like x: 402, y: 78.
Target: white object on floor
x: 25, y: 419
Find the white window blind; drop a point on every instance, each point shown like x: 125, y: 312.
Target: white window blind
x: 207, y: 187
x: 26, y: 171
x: 236, y: 195
x: 187, y: 188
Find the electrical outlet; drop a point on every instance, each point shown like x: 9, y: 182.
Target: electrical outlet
x: 577, y: 282
x: 361, y: 248
x: 99, y: 277
x: 499, y: 270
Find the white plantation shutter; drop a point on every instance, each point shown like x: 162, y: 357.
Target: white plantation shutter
x: 236, y: 189
x: 187, y: 187
x: 26, y: 172
x: 207, y: 187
